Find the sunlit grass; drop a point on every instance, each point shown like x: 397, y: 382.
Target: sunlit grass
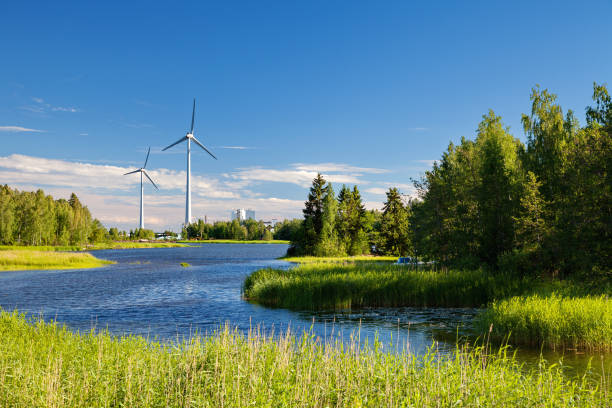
x: 341, y: 259
x: 46, y: 365
x: 552, y: 321
x: 11, y: 260
x: 358, y: 284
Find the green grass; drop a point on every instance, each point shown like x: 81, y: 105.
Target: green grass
x: 552, y: 321
x: 341, y: 259
x: 46, y: 365
x: 235, y: 241
x: 29, y: 259
x: 338, y: 286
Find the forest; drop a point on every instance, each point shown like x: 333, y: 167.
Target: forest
x: 33, y: 218
x: 492, y: 201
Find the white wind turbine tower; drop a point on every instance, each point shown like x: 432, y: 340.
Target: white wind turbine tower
x: 189, y: 137
x: 143, y: 171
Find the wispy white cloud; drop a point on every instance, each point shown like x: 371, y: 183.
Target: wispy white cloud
x: 234, y: 147
x: 40, y: 106
x: 418, y: 129
x: 18, y: 129
x: 303, y: 174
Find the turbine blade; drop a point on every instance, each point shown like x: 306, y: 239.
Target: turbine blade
x: 132, y: 172
x: 182, y: 139
x: 151, y: 180
x: 202, y: 146
x: 192, y: 116
x: 147, y: 159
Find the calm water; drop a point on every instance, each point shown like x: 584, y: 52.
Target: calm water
x: 148, y: 293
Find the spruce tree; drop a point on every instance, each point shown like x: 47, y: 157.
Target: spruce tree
x: 395, y: 225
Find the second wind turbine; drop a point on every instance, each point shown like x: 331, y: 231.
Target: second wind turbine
x: 189, y: 137
x: 143, y: 171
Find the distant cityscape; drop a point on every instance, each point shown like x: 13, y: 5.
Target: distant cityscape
x: 242, y: 214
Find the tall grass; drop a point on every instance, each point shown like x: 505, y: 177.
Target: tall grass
x: 339, y: 259
x: 552, y: 321
x: 28, y: 259
x: 333, y: 286
x: 46, y: 365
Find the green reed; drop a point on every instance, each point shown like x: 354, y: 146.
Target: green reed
x: 46, y: 365
x: 552, y: 321
x: 11, y: 260
x: 337, y: 286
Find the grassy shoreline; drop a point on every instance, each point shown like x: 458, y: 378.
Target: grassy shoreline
x: 41, y: 260
x: 93, y: 247
x: 555, y: 314
x: 45, y: 364
x: 330, y: 285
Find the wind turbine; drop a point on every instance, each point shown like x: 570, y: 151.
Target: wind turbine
x: 189, y: 137
x: 143, y: 171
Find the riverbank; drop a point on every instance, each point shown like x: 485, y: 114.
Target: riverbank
x: 43, y: 364
x: 93, y: 247
x: 13, y: 260
x: 234, y: 241
x: 551, y: 314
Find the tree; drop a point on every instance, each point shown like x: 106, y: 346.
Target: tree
x: 313, y: 217
x: 394, y: 228
x: 498, y: 192
x: 328, y: 243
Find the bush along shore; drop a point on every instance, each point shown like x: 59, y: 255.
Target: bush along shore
x: 44, y: 364
x: 555, y: 314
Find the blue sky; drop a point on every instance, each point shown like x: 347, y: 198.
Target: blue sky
x: 365, y: 92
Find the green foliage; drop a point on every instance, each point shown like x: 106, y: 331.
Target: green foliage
x: 553, y: 321
x: 228, y: 230
x: 31, y: 218
x: 546, y: 206
x: 44, y: 364
x: 394, y: 226
x: 288, y: 230
x: 331, y: 285
x: 328, y: 243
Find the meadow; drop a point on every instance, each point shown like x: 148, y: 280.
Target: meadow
x: 45, y: 364
x: 11, y: 260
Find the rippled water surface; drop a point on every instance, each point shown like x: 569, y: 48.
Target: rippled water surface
x: 147, y: 292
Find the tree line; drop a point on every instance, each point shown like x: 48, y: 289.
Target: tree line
x: 33, y: 218
x: 541, y: 206
x: 235, y: 229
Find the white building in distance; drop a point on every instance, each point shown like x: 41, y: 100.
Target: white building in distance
x: 242, y: 214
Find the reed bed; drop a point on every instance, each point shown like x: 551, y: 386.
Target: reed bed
x: 341, y: 286
x: 552, y: 321
x: 11, y: 260
x: 44, y: 364
x: 339, y: 259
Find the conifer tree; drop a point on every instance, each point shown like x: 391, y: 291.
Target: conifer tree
x: 395, y: 225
